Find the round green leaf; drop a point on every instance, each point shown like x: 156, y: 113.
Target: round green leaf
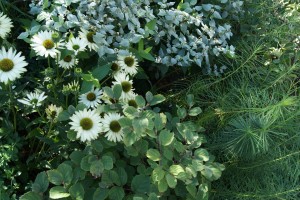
x: 96, y: 168
x: 171, y: 180
x: 166, y: 137
x: 195, y: 111
x: 153, y: 154
x: 116, y: 193
x: 176, y: 169
x: 58, y: 192
x: 100, y: 194
x: 67, y: 172
x: 41, y: 183
x: 31, y: 196
x: 77, y: 191
x: 202, y: 154
x: 141, y: 184
x: 55, y: 177
x: 107, y: 162
x: 158, y: 174
x: 162, y: 185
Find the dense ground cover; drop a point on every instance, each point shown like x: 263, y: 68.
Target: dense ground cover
x: 81, y: 116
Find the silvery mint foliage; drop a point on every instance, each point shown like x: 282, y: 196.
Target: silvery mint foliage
x: 183, y: 35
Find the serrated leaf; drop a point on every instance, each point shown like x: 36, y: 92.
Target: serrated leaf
x: 67, y: 172
x: 96, y: 168
x: 171, y: 180
x: 100, y: 194
x: 166, y: 137
x: 116, y: 193
x: 107, y: 162
x: 55, y: 177
x: 77, y: 191
x: 153, y: 154
x: 41, y: 183
x: 58, y: 192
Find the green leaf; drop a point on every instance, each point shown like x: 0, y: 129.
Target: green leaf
x: 45, y: 4
x: 100, y: 194
x: 166, y: 137
x: 157, y: 99
x: 55, y: 177
x: 146, y: 56
x: 86, y: 161
x: 195, y: 111
x: 181, y: 112
x: 67, y: 173
x: 153, y: 196
x: 41, y: 183
x: 190, y: 100
x: 141, y: 45
x: 149, y: 96
x: 140, y: 101
x: 192, y: 190
x: 162, y: 185
x: 58, y: 192
x: 111, y: 177
x: 77, y: 191
x: 141, y: 184
x: 130, y: 112
x: 202, y: 154
x: 158, y: 174
x: 63, y: 116
x: 101, y: 72
x: 176, y: 169
x: 153, y: 154
x: 151, y: 24
x: 116, y: 193
x: 71, y: 109
x: 107, y: 162
x: 117, y: 89
x: 97, y: 146
x: 171, y: 180
x: 122, y: 175
x: 30, y: 196
x: 96, y: 168
x: 76, y: 157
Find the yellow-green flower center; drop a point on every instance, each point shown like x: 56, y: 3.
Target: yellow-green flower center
x: 126, y: 86
x: 115, y: 67
x: 68, y: 58
x: 132, y: 103
x: 6, y: 65
x: 90, y: 37
x: 91, y: 96
x: 115, y: 126
x: 76, y: 47
x: 48, y: 44
x: 86, y: 123
x: 129, y: 61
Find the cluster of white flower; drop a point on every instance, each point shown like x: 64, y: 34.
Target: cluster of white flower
x: 88, y: 123
x: 183, y: 36
x: 12, y: 64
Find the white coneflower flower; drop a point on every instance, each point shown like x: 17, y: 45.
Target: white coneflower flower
x: 115, y: 68
x: 126, y: 83
x: 128, y: 63
x: 87, y: 124
x: 33, y: 99
x: 76, y: 45
x: 52, y: 112
x: 12, y: 65
x: 112, y: 127
x: 5, y: 25
x: 44, y: 45
x: 130, y: 101
x: 88, y: 37
x: 68, y: 62
x: 91, y: 98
